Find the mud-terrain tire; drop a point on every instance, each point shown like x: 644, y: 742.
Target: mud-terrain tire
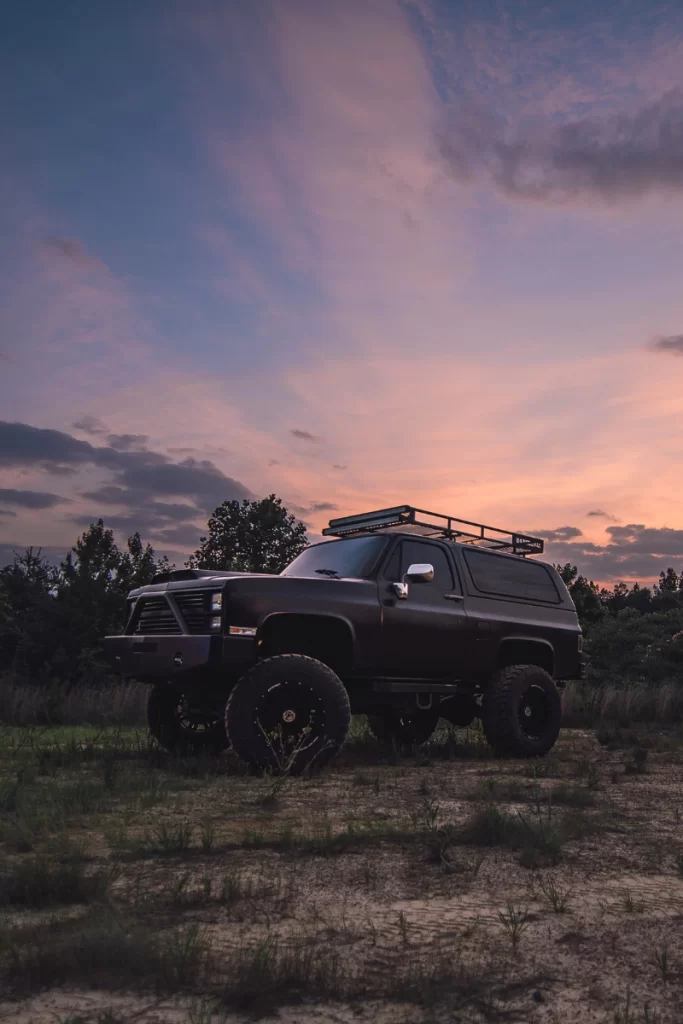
x: 405, y: 729
x: 460, y: 710
x: 182, y: 729
x: 288, y: 713
x: 522, y: 712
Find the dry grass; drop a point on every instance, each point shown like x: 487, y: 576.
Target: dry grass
x: 119, y: 704
x: 440, y: 886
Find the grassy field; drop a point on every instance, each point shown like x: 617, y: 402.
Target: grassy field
x: 444, y: 886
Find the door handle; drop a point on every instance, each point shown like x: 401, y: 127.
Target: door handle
x: 454, y: 597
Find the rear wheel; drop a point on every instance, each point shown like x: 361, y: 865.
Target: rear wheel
x: 289, y: 713
x: 404, y: 728
x: 522, y: 712
x: 183, y: 725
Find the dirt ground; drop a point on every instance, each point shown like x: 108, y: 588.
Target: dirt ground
x: 441, y: 886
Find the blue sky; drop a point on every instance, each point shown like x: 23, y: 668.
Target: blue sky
x: 435, y: 244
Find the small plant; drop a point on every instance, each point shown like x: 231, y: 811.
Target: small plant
x: 624, y: 1016
x: 638, y: 763
x: 403, y: 928
x: 208, y: 836
x: 630, y: 905
x: 556, y: 895
x: 427, y: 817
x: 173, y: 841
x: 660, y: 958
x: 515, y: 921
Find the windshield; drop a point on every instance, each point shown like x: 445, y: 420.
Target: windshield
x: 355, y: 557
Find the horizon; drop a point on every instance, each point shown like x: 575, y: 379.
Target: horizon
x: 354, y: 255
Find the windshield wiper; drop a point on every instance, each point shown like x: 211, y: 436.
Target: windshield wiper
x: 327, y: 572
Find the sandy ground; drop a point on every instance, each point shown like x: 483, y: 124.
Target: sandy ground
x: 387, y: 908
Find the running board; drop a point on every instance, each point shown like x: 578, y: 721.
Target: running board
x: 402, y: 686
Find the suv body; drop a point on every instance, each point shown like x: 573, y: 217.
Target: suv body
x: 392, y: 638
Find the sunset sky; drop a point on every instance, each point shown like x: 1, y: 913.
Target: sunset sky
x: 353, y: 252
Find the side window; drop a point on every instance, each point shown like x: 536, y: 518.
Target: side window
x: 392, y: 570
x: 413, y: 551
x: 511, y: 577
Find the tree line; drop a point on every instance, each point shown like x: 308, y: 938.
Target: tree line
x: 53, y: 618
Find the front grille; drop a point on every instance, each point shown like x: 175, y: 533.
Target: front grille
x: 194, y: 608
x: 156, y: 618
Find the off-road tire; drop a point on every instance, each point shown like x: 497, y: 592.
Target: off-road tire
x: 299, y: 681
x: 505, y: 713
x: 404, y: 729
x: 166, y: 726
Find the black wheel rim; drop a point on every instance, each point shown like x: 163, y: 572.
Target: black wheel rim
x: 192, y: 718
x: 290, y: 717
x: 534, y: 712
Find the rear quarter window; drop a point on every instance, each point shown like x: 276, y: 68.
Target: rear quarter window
x: 511, y: 577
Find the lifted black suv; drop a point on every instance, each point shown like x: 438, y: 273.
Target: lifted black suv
x: 406, y: 616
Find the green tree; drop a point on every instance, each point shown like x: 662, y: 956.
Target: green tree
x: 53, y: 620
x: 584, y: 593
x: 668, y: 581
x: 27, y: 626
x: 254, y: 536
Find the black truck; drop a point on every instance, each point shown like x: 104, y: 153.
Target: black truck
x: 403, y: 615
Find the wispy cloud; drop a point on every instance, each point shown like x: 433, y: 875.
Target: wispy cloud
x: 73, y: 251
x: 304, y: 435
x: 31, y: 499
x: 669, y: 343
x: 90, y: 425
x: 618, y: 156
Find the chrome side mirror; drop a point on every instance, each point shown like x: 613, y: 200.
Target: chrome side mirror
x: 420, y: 572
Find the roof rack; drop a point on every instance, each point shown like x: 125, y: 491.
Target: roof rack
x: 434, y: 524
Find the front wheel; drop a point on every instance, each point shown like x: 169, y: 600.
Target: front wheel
x: 522, y: 712
x: 182, y: 725
x: 289, y: 713
x: 406, y: 729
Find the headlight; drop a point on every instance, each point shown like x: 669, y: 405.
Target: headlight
x: 216, y: 602
x: 216, y: 622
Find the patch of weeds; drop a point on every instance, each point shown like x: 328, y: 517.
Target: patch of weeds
x: 543, y: 768
x: 263, y: 976
x: 515, y: 922
x: 638, y: 763
x: 163, y: 842
x: 208, y: 837
x: 403, y: 928
x: 572, y: 796
x: 41, y: 882
x: 660, y: 959
x: 630, y: 905
x: 369, y: 873
x: 362, y: 779
x: 539, y: 840
x: 611, y: 736
x: 557, y: 896
x: 427, y: 815
x: 204, y: 1011
x: 102, y: 952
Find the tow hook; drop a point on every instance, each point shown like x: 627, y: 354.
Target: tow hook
x: 423, y: 701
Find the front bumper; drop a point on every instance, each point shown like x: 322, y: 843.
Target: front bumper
x: 149, y: 658
x: 160, y: 657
